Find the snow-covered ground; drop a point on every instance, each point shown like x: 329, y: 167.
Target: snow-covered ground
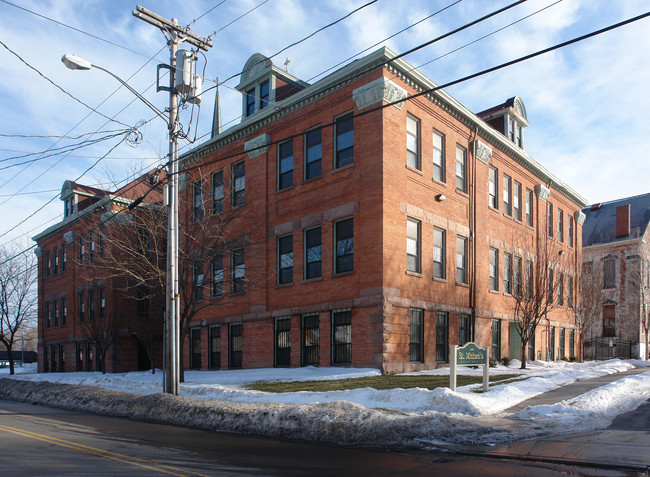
x: 219, y: 400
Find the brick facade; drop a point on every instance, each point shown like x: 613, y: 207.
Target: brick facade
x: 378, y: 192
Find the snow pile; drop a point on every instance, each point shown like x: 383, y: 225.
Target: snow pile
x: 218, y: 400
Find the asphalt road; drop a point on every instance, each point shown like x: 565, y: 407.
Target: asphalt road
x: 38, y: 441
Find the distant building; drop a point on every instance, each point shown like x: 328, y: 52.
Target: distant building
x: 373, y: 234
x: 73, y: 291
x: 615, y: 244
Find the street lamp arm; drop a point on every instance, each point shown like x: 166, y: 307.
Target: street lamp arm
x: 75, y: 63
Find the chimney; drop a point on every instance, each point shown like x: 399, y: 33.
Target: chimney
x: 623, y: 220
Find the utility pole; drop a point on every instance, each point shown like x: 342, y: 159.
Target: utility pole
x: 175, y: 35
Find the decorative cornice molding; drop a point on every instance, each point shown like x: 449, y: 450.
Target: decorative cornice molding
x: 258, y: 146
x: 377, y: 91
x: 580, y: 217
x: 482, y: 152
x: 542, y: 192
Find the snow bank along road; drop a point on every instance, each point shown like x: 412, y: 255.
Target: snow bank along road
x: 217, y: 400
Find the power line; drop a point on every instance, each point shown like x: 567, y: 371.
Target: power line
x: 59, y: 87
x: 206, y: 13
x: 436, y: 88
x: 236, y: 20
x: 75, y: 29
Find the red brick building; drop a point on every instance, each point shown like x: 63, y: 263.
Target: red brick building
x: 74, y: 291
x: 376, y: 230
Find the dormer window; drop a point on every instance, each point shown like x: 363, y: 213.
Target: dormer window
x: 515, y: 132
x: 68, y: 207
x: 509, y: 119
x: 263, y: 84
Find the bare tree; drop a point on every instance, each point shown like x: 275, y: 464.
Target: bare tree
x: 101, y: 331
x: 534, y: 292
x: 18, y: 272
x: 591, y: 299
x: 640, y: 276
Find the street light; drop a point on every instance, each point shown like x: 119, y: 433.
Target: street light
x: 172, y: 370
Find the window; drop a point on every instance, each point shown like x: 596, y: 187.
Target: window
x: 560, y: 225
x: 235, y: 332
x: 609, y: 273
x: 416, y: 335
x: 516, y: 200
x: 214, y: 346
x: 461, y: 259
x: 283, y: 341
x: 461, y: 168
x: 285, y: 165
x: 572, y: 342
x: 64, y: 258
x: 550, y: 286
x: 507, y: 273
x: 438, y: 156
x: 250, y: 101
x: 48, y: 316
x: 529, y: 207
x: 102, y: 302
x: 91, y: 305
x: 516, y: 276
x: 310, y: 340
x: 237, y: 271
x: 344, y: 246
x: 413, y: 142
x: 493, y: 187
x: 100, y: 242
x: 609, y: 320
x: 285, y: 259
x: 81, y: 250
x: 531, y: 349
x: 552, y: 343
x: 91, y: 246
x: 55, y: 313
x: 68, y: 207
x: 442, y: 336
x: 570, y: 230
x: 61, y: 358
x: 197, y: 200
x: 55, y: 260
x: 342, y: 336
x: 413, y: 244
x: 217, y: 192
x: 217, y: 276
x: 494, y: 269
x: 507, y: 195
x: 46, y: 366
x: 64, y: 312
x: 496, y: 340
x: 197, y: 279
x: 560, y: 289
x: 530, y: 269
x: 238, y: 184
x: 561, y: 353
x: 344, y: 137
x: 313, y: 253
x: 48, y: 264
x: 264, y: 94
x: 80, y: 356
x: 439, y: 253
x: 80, y: 306
x: 195, y: 347
x: 89, y: 356
x: 53, y: 357
x: 464, y: 330
x: 549, y: 219
x: 313, y: 153
x: 569, y: 293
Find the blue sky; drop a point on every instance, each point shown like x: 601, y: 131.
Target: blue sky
x: 587, y: 104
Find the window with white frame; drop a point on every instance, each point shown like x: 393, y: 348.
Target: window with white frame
x: 285, y: 165
x: 439, y: 253
x: 516, y: 200
x: 507, y: 195
x: 217, y: 276
x: 313, y: 253
x: 507, y: 273
x: 494, y: 269
x: 413, y: 142
x: 438, y: 156
x: 413, y: 245
x: 285, y: 259
x: 343, y: 246
x: 461, y: 168
x: 217, y: 192
x: 344, y: 141
x: 461, y: 259
x: 238, y: 184
x: 313, y: 153
x: 493, y: 187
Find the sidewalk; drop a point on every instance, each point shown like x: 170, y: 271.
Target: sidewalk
x: 624, y: 445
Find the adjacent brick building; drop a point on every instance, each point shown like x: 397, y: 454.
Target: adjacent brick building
x: 74, y: 291
x: 375, y: 230
x: 615, y: 244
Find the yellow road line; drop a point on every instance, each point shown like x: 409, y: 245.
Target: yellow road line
x: 149, y: 465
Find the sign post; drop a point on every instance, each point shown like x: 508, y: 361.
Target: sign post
x: 469, y: 355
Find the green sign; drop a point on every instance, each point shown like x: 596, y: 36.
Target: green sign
x: 470, y: 355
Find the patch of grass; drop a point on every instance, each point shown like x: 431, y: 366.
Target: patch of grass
x: 387, y: 381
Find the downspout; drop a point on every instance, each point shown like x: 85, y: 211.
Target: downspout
x: 548, y: 323
x: 472, y: 235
